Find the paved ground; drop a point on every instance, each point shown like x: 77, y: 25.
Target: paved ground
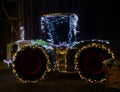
x: 54, y: 82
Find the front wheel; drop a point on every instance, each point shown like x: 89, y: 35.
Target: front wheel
x: 30, y: 63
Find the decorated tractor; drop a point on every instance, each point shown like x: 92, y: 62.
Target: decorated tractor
x: 59, y: 51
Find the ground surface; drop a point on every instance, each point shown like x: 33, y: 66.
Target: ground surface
x: 54, y: 82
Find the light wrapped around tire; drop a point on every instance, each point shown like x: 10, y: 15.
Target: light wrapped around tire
x: 88, y: 62
x: 31, y: 63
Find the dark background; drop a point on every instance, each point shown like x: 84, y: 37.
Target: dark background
x: 97, y: 19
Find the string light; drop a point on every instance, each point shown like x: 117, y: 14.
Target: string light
x: 61, y: 60
x: 48, y: 25
x: 50, y: 21
x: 47, y: 65
x: 91, y: 45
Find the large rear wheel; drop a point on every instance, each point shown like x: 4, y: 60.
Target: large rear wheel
x: 89, y: 61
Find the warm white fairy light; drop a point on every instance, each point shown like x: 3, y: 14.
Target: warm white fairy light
x: 96, y: 45
x: 49, y: 21
x: 60, y: 51
x: 47, y: 65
